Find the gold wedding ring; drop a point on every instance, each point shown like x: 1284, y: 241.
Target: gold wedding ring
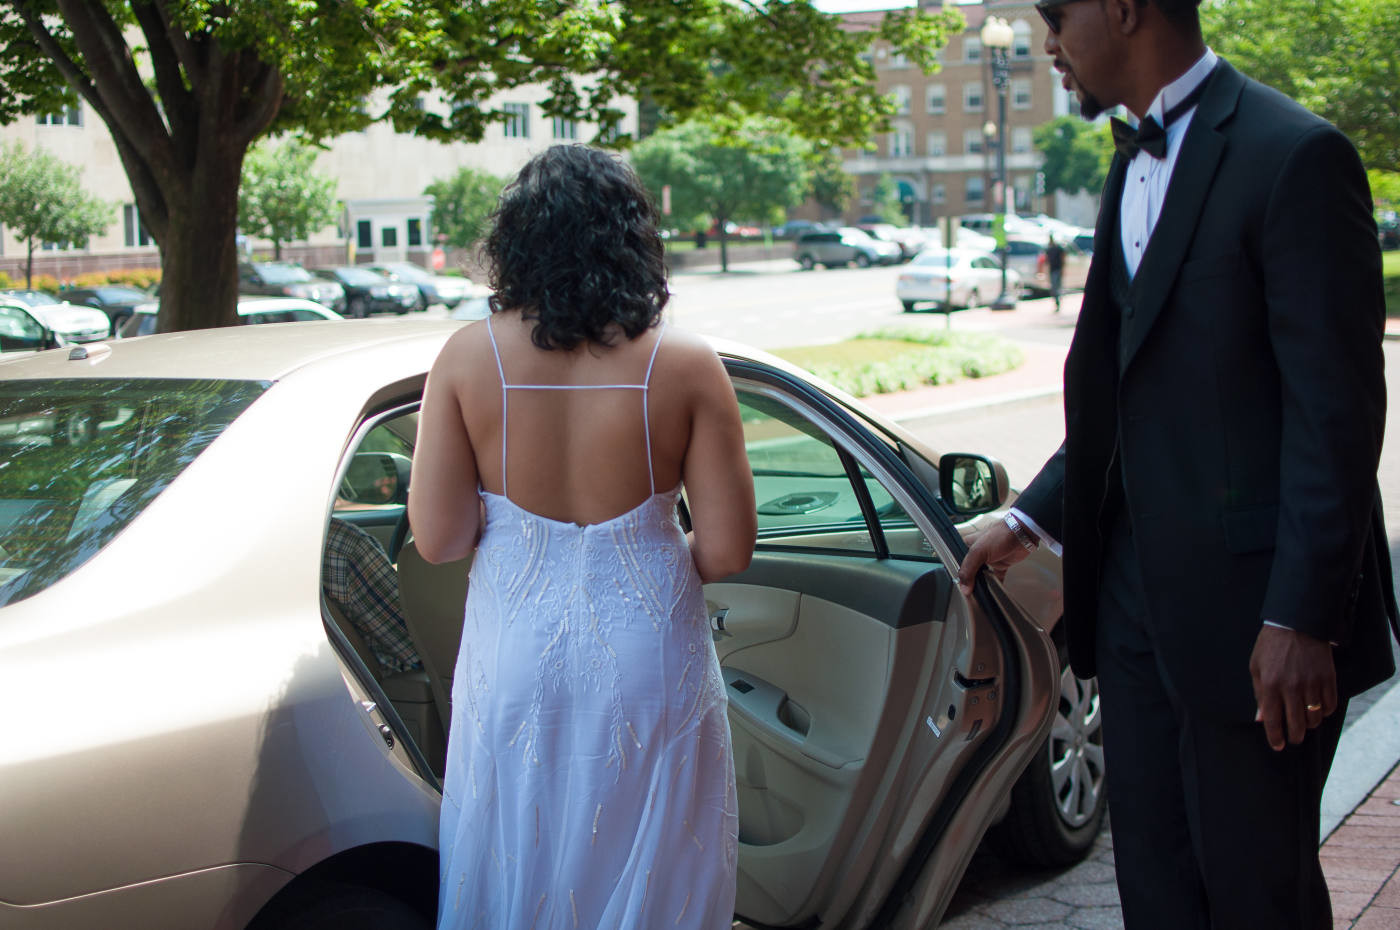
x: 1314, y: 707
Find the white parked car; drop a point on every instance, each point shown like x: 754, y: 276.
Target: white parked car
x: 949, y: 278
x: 69, y: 322
x: 142, y: 321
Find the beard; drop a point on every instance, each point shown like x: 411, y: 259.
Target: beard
x: 1090, y: 107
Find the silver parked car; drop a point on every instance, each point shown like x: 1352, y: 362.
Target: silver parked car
x: 213, y: 743
x: 847, y: 245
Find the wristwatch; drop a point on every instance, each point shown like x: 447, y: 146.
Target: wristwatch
x: 1024, y: 536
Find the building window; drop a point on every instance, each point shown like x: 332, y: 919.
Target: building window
x: 517, y: 125
x: 867, y: 57
x: 68, y: 116
x: 1021, y: 39
x: 972, y: 49
x: 133, y: 228
x: 56, y: 246
x: 973, y: 141
x: 898, y: 60
x: 974, y: 191
x: 901, y: 95
x: 1021, y: 139
x: 1021, y: 94
x: 901, y: 141
x: 415, y: 231
x: 972, y: 97
x: 936, y: 98
x: 389, y: 237
x: 364, y: 235
x: 939, y: 193
x: 937, y: 143
x: 564, y: 128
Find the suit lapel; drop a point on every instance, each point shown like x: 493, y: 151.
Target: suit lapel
x: 1195, y: 168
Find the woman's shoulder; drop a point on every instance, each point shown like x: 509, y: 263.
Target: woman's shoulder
x: 467, y: 349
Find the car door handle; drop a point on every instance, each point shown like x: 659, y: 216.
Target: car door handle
x: 717, y: 618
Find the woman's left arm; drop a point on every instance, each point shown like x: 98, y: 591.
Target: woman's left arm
x: 444, y: 507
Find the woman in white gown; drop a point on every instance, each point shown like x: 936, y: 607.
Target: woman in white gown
x: 589, y: 778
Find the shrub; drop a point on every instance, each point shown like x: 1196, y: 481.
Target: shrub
x: 139, y: 278
x: 907, y: 359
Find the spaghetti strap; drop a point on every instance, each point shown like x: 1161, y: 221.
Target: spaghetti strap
x: 505, y: 393
x: 646, y: 415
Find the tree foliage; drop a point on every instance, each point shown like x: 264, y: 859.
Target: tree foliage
x: 1077, y: 154
x: 42, y: 199
x: 1339, y: 58
x: 462, y: 204
x: 282, y: 198
x: 186, y: 86
x: 885, y: 202
x: 831, y: 187
x: 750, y: 172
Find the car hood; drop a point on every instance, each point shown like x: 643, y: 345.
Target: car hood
x: 70, y: 319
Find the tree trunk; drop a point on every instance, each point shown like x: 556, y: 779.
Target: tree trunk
x: 29, y: 264
x: 722, y: 222
x: 199, y: 257
x: 277, y: 250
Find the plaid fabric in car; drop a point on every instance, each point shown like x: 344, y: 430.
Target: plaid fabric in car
x: 359, y: 579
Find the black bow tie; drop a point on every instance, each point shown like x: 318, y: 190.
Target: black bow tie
x: 1151, y: 136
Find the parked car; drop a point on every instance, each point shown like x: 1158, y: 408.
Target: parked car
x: 951, y: 278
x: 115, y: 300
x: 71, y: 322
x: 285, y: 279
x: 448, y: 290
x: 910, y: 239
x: 1027, y: 257
x: 219, y: 748
x: 837, y: 247
x: 794, y: 228
x: 22, y: 331
x: 369, y: 292
x: 251, y: 310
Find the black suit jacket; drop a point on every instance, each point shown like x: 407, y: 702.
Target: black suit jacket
x: 1244, y: 389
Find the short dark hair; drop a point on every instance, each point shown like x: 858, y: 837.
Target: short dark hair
x: 574, y: 246
x: 1184, y: 14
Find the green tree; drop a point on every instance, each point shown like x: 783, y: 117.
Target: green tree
x: 1077, y: 154
x: 186, y: 86
x: 885, y: 202
x: 282, y: 198
x: 1339, y: 58
x: 42, y: 200
x: 832, y: 187
x: 750, y: 172
x: 462, y: 203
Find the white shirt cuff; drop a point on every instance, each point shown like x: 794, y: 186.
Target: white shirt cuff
x: 1045, y: 538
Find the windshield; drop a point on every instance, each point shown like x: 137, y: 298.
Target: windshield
x: 80, y: 459
x: 283, y: 274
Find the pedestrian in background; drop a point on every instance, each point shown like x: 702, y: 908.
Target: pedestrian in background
x: 1226, y: 570
x: 1055, y: 268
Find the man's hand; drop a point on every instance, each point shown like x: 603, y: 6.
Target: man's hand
x: 1295, y: 683
x: 995, y: 547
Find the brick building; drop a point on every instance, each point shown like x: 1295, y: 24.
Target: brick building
x: 940, y: 151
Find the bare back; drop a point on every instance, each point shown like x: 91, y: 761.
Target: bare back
x: 589, y: 434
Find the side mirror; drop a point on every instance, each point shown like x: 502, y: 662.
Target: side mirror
x: 377, y: 479
x: 972, y: 484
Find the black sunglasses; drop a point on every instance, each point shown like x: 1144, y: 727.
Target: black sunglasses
x: 1049, y: 11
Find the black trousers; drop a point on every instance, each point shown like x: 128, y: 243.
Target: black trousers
x: 1212, y: 829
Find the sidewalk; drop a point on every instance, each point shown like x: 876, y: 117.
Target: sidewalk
x: 1361, y: 805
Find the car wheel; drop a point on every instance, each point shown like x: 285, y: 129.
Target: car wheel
x: 908, y: 306
x: 357, y: 307
x: 974, y: 299
x: 339, y: 906
x: 422, y: 304
x: 1058, y: 805
x: 862, y: 260
x: 807, y: 262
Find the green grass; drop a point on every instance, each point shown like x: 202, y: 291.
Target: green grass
x: 902, y: 359
x: 1390, y: 272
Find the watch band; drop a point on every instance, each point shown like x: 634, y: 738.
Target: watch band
x: 1023, y: 535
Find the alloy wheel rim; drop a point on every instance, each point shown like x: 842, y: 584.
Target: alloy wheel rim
x: 1076, y: 750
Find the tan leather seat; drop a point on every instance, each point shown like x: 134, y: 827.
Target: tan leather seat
x: 433, y: 598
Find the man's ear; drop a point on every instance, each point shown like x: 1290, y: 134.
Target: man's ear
x: 1125, y: 16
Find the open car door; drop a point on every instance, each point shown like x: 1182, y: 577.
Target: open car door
x: 879, y: 718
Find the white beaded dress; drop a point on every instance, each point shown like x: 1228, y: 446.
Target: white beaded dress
x: 589, y: 780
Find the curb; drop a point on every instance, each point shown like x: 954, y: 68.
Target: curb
x: 1368, y: 750
x: 1029, y: 395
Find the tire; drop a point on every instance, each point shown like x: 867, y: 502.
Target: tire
x: 807, y: 262
x: 422, y: 304
x: 908, y: 306
x: 1052, y: 824
x: 338, y: 906
x: 862, y: 260
x: 974, y: 299
x: 357, y: 307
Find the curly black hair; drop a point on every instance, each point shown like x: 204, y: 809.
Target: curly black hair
x: 574, y: 246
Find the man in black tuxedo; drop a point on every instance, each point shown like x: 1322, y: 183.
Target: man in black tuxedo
x: 1226, y: 570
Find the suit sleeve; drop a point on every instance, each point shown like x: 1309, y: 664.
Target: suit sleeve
x: 1321, y: 270
x: 1043, y: 500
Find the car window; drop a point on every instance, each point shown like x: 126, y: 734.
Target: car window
x: 282, y: 274
x: 19, y: 330
x: 985, y: 263
x: 83, y: 458
x: 394, y: 436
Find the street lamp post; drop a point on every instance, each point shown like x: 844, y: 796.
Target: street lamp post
x: 997, y: 36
